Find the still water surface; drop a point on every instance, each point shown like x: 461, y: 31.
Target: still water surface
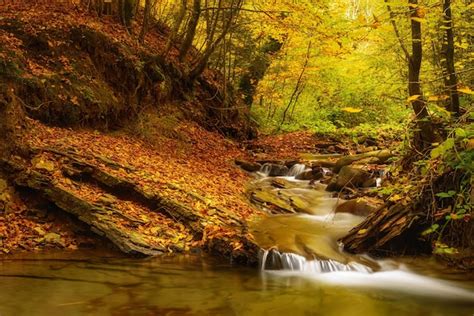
x: 86, y: 283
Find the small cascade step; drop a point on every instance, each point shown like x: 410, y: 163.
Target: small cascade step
x: 296, y: 170
x: 274, y: 260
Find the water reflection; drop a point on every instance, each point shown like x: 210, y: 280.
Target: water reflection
x: 87, y: 284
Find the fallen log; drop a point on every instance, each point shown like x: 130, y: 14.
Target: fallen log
x: 380, y: 157
x: 393, y: 228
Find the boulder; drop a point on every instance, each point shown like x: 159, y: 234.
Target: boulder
x: 359, y: 207
x: 311, y: 175
x: 275, y: 170
x: 291, y: 163
x: 350, y: 177
x: 248, y: 166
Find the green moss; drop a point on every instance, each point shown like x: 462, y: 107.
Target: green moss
x: 10, y: 66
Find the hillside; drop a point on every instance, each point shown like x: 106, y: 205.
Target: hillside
x: 109, y: 132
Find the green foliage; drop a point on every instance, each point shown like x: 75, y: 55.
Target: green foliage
x: 443, y: 148
x: 430, y: 230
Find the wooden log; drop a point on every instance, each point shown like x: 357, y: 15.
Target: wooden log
x: 381, y: 155
x: 383, y: 230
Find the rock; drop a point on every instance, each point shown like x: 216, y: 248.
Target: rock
x: 270, y: 161
x: 274, y: 170
x: 348, y: 176
x: 54, y: 238
x: 291, y: 163
x: 248, y: 166
x: 282, y: 183
x: 272, y: 201
x: 359, y: 207
x: 313, y: 174
x: 326, y: 180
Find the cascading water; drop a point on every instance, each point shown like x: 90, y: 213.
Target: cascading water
x: 274, y: 260
x: 265, y: 169
x: 296, y: 170
x: 297, y: 244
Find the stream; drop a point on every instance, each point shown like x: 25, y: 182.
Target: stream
x: 303, y: 272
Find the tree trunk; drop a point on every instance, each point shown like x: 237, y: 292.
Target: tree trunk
x: 202, y: 63
x: 451, y: 80
x: 426, y: 135
x: 297, y: 87
x: 146, y: 21
x: 176, y: 27
x: 191, y: 31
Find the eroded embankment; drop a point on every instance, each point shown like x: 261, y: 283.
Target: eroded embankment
x: 164, y: 183
x: 145, y: 199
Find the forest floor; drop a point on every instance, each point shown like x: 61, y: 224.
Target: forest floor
x: 129, y: 183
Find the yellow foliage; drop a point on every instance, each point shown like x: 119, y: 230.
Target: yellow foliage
x: 351, y: 110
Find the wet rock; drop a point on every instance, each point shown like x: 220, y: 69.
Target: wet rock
x: 274, y: 170
x: 270, y: 161
x: 282, y: 183
x: 360, y: 207
x: 348, y: 176
x: 271, y: 200
x: 248, y: 166
x: 291, y: 163
x: 312, y: 175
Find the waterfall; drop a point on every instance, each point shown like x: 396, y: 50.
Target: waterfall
x: 326, y: 171
x: 274, y: 260
x: 266, y: 169
x: 296, y: 170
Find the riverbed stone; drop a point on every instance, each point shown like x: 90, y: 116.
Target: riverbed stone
x: 248, y: 165
x: 275, y: 170
x: 348, y: 176
x: 312, y: 174
x: 360, y: 206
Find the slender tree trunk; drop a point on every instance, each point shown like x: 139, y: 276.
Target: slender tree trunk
x: 176, y: 27
x: 426, y: 135
x: 191, y: 31
x: 426, y: 132
x: 146, y: 20
x: 202, y: 63
x: 451, y: 79
x: 297, y: 87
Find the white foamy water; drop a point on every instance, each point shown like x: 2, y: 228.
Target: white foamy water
x: 316, y: 236
x: 296, y: 170
x: 293, y: 262
x: 395, y: 280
